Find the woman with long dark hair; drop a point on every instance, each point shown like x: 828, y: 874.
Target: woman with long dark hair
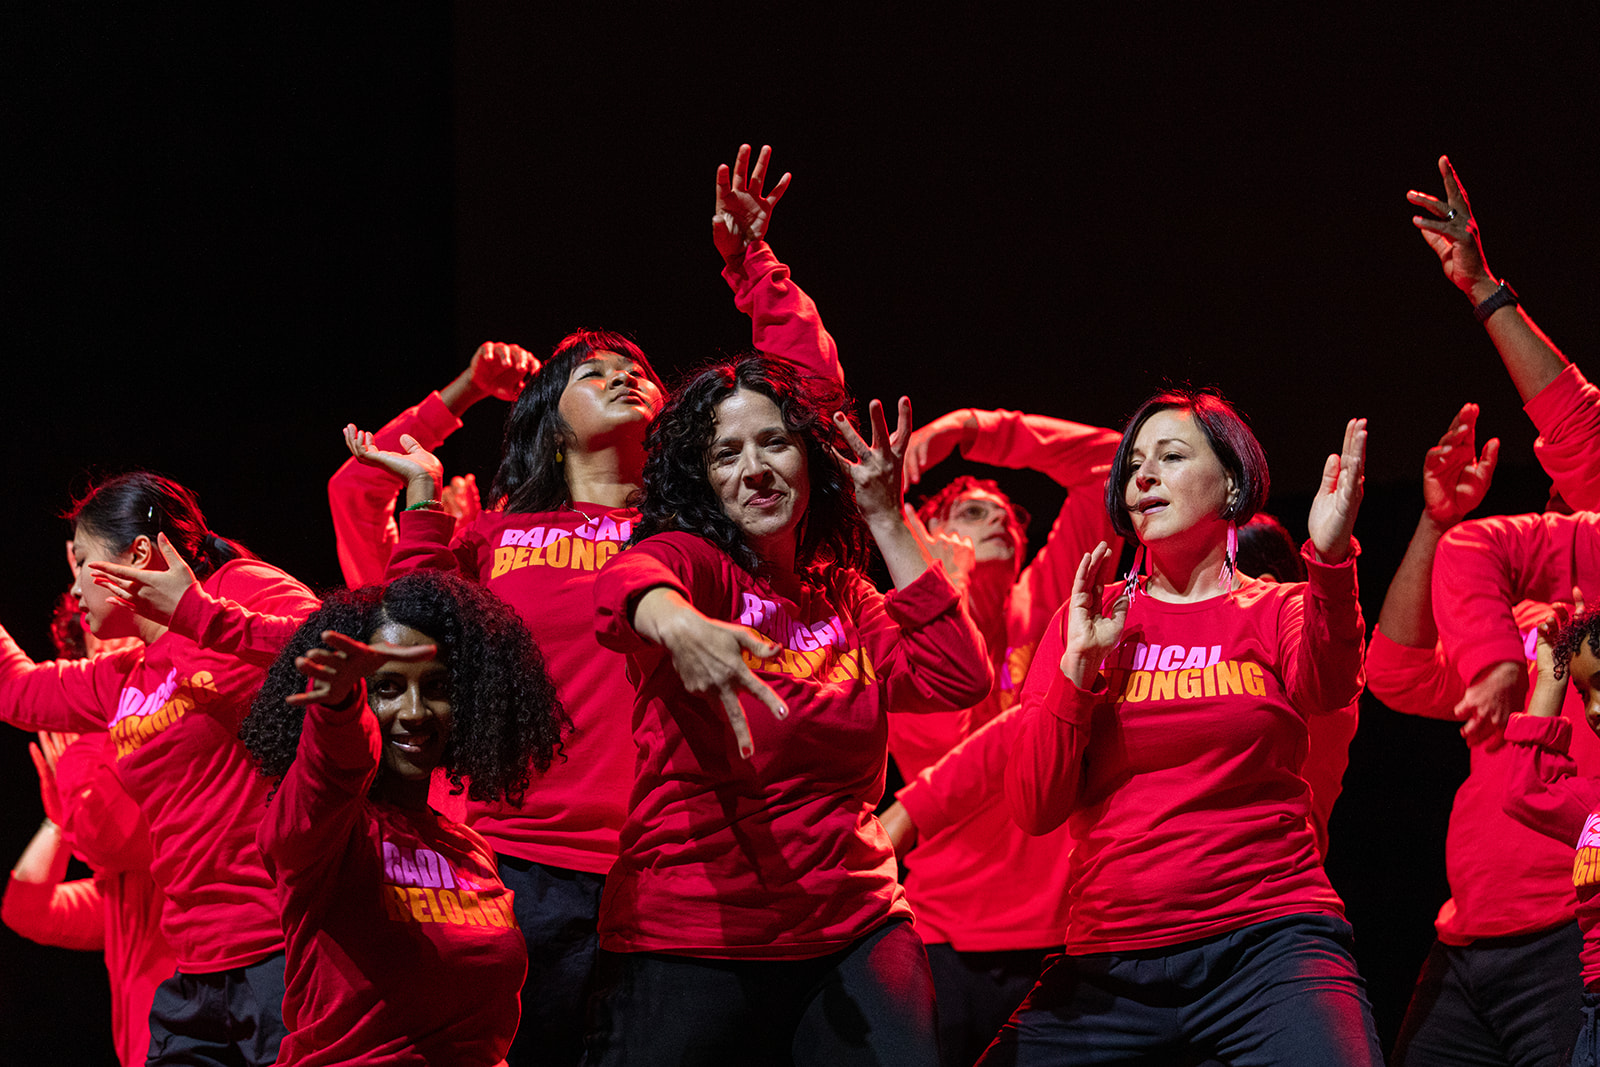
x: 1165, y: 721
x: 173, y: 707
x: 753, y: 915
x: 401, y: 943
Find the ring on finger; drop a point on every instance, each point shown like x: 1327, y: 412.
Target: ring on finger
x: 1451, y: 216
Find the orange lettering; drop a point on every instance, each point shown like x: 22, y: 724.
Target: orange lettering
x: 502, y: 560
x: 1189, y: 683
x: 582, y: 555
x: 603, y: 553
x: 1228, y: 681
x: 1255, y: 683
x: 419, y: 906
x: 557, y: 553
x: 1163, y: 685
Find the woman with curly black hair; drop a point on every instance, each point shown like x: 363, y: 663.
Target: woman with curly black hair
x: 569, y: 472
x: 401, y: 942
x: 753, y: 915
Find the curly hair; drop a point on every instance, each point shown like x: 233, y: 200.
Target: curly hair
x: 937, y: 508
x: 677, y: 487
x: 529, y: 478
x: 1583, y: 629
x: 507, y: 719
x: 1227, y: 434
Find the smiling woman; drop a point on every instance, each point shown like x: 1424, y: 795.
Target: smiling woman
x: 387, y: 906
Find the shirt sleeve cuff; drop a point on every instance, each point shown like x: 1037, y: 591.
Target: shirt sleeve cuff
x: 436, y: 420
x: 1547, y: 731
x: 929, y: 596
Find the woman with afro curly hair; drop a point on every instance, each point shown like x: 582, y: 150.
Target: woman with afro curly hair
x: 753, y: 915
x: 401, y: 942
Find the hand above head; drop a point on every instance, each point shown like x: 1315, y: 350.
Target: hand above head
x: 1338, y: 499
x: 933, y: 443
x: 416, y: 466
x: 501, y: 369
x: 876, y: 468
x: 334, y: 671
x: 1454, y: 476
x: 46, y: 752
x: 1091, y: 634
x: 955, y: 551
x: 1451, y: 231
x: 149, y: 593
x: 741, y: 212
x: 460, y: 499
x: 1488, y: 702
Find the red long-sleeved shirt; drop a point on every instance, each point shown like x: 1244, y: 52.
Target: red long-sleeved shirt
x: 1180, y: 773
x: 1567, y: 414
x: 778, y: 856
x: 173, y: 708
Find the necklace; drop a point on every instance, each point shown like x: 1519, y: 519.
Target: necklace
x: 592, y: 519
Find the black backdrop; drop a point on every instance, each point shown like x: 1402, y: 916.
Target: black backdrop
x: 233, y: 229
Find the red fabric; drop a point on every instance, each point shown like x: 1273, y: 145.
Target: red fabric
x: 1182, y: 779
x: 784, y: 321
x: 778, y: 856
x: 1545, y: 792
x: 362, y: 497
x: 1415, y: 681
x: 1567, y: 413
x: 402, y: 948
x: 1493, y: 581
x: 975, y: 880
x: 173, y: 709
x: 62, y: 914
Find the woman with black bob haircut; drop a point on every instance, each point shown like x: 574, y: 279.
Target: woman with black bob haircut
x: 1166, y: 721
x: 401, y: 941
x: 753, y: 915
x: 148, y: 567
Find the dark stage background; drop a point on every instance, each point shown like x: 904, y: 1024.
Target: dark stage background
x: 232, y: 230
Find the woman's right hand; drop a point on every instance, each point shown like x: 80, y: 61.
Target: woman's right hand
x: 416, y: 466
x: 1454, y: 476
x: 1091, y: 634
x: 933, y: 443
x: 335, y: 671
x: 707, y: 655
x: 46, y: 753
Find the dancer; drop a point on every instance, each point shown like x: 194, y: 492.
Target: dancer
x: 1166, y: 721
x: 173, y: 707
x: 401, y: 943
x: 753, y: 915
x: 571, y: 463
x: 1546, y: 792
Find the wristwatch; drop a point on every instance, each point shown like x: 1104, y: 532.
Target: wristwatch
x: 1495, y: 301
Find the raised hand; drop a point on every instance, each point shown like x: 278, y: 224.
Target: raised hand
x: 955, y: 551
x: 460, y: 499
x: 1338, y: 499
x: 45, y: 753
x: 500, y: 369
x: 877, y: 464
x: 335, y: 671
x: 708, y: 656
x: 931, y: 444
x: 149, y: 593
x: 1454, y: 476
x: 416, y: 466
x: 1452, y: 232
x: 742, y: 213
x: 1091, y: 633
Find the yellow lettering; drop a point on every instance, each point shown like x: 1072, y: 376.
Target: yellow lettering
x: 395, y: 904
x: 469, y: 909
x: 1228, y: 681
x: 1189, y: 683
x: 1255, y: 683
x: 1138, y: 687
x: 582, y: 555
x: 557, y: 554
x: 1163, y: 685
x: 1210, y: 679
x: 603, y: 551
x: 419, y: 906
x: 502, y: 560
x: 450, y: 907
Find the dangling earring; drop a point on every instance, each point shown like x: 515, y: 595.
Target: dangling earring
x: 1131, y: 580
x: 558, y: 455
x: 1230, y: 565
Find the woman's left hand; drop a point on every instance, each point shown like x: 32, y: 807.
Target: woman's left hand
x: 876, y: 468
x: 1338, y: 499
x: 152, y: 594
x: 336, y: 670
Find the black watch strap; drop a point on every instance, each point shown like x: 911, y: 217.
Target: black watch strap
x: 1496, y: 300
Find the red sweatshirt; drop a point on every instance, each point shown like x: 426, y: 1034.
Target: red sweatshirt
x: 1567, y: 413
x: 975, y: 879
x: 1545, y: 792
x: 778, y: 856
x: 1493, y: 581
x: 362, y: 497
x: 544, y: 564
x: 402, y: 948
x: 1180, y: 772
x: 173, y: 709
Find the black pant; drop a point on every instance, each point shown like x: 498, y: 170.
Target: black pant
x: 231, y: 1018
x: 868, y: 1004
x: 977, y: 993
x: 558, y: 910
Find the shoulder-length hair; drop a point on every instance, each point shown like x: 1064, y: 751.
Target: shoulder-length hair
x: 677, y: 485
x: 529, y: 478
x: 506, y: 717
x: 119, y: 509
x: 1225, y: 431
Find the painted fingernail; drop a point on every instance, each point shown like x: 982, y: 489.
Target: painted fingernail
x: 746, y: 751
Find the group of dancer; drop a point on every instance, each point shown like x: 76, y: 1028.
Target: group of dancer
x: 589, y: 774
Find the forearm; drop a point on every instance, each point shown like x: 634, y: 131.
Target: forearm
x: 902, y: 553
x: 1407, y: 612
x: 461, y: 393
x: 1530, y: 357
x: 44, y: 861
x: 657, y: 611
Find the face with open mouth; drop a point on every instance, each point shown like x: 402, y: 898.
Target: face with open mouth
x: 412, y: 704
x: 1175, y: 484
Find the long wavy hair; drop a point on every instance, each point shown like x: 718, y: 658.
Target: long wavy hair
x: 530, y: 478
x: 506, y: 718
x: 677, y: 485
x: 117, y: 510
